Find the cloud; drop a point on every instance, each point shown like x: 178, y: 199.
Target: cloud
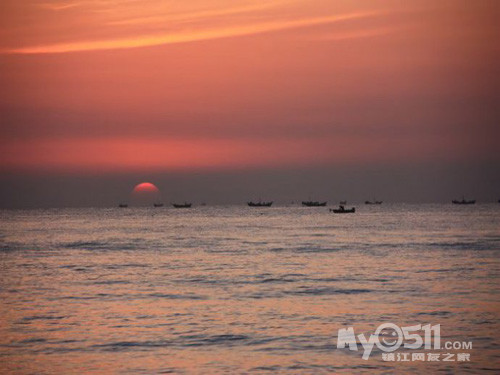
x: 189, y: 36
x: 58, y: 7
x: 191, y: 16
x: 358, y: 34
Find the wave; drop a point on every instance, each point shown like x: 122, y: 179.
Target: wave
x: 186, y: 341
x: 322, y: 291
x: 100, y: 245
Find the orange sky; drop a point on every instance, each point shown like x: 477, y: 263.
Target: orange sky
x: 169, y: 85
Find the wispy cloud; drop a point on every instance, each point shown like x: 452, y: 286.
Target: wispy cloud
x: 189, y: 36
x: 359, y: 34
x: 193, y: 16
x: 57, y: 6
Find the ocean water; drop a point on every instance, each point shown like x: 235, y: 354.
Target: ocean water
x: 244, y: 290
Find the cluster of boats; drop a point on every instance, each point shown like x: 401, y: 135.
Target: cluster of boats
x: 304, y: 203
x: 340, y: 210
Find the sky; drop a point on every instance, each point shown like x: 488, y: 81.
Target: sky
x: 308, y: 97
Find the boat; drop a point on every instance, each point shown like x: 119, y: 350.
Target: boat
x: 373, y: 202
x: 463, y: 201
x: 343, y: 210
x: 313, y: 204
x: 158, y: 204
x: 260, y: 204
x: 343, y: 202
x: 123, y: 205
x: 182, y: 205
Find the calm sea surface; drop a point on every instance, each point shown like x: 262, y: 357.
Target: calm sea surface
x: 241, y: 290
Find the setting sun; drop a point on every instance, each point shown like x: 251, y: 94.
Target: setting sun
x: 145, y: 193
x: 145, y: 187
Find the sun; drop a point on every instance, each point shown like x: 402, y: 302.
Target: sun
x: 145, y: 187
x: 145, y: 193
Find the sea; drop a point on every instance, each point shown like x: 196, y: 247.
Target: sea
x: 240, y: 290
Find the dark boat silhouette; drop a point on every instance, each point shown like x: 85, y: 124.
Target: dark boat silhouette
x: 259, y: 204
x: 123, y: 205
x: 463, y: 201
x: 343, y: 202
x: 373, y: 202
x: 313, y: 204
x: 343, y: 210
x: 158, y: 204
x: 182, y: 205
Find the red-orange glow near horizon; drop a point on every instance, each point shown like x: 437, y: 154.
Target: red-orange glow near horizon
x: 121, y: 155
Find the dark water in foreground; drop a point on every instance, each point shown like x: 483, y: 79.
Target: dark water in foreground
x: 241, y: 290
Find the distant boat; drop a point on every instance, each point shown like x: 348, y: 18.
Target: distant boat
x: 373, y: 202
x: 343, y: 202
x: 463, y: 201
x: 313, y: 204
x: 158, y: 204
x: 260, y: 204
x: 343, y: 210
x: 182, y: 205
x: 123, y: 205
